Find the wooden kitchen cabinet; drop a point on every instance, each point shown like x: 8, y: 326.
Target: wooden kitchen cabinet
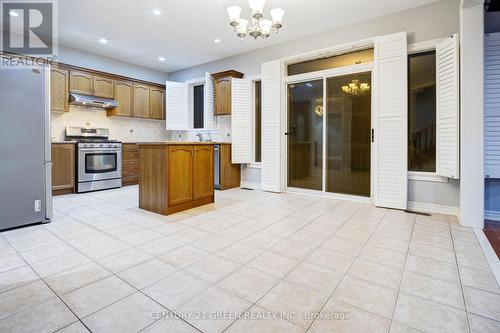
x: 175, y: 176
x: 222, y: 91
x: 81, y: 83
x: 63, y: 168
x: 229, y: 173
x: 59, y: 90
x: 130, y: 164
x: 103, y: 87
x: 123, y: 95
x: 156, y: 103
x: 141, y: 100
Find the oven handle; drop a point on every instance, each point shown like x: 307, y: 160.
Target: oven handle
x: 100, y: 150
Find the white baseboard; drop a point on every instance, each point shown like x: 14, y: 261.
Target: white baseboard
x: 432, y: 208
x: 489, y: 253
x: 252, y: 185
x: 492, y: 215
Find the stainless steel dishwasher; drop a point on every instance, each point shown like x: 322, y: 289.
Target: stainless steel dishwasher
x: 217, y: 167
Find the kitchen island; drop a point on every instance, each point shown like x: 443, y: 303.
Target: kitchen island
x: 175, y: 176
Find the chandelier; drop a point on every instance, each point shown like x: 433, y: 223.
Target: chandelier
x: 259, y: 27
x: 356, y: 89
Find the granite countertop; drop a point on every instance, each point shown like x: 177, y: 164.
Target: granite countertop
x: 190, y: 143
x: 58, y: 142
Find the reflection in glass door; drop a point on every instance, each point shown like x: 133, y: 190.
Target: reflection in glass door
x: 348, y: 134
x: 305, y: 138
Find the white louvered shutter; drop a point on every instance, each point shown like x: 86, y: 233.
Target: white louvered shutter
x: 391, y: 122
x: 271, y: 128
x: 209, y: 101
x: 492, y: 106
x: 241, y: 121
x: 177, y: 115
x: 447, y: 113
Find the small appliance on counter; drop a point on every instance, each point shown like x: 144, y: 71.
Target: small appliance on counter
x: 98, y: 159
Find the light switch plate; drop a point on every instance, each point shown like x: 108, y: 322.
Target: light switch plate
x: 38, y: 205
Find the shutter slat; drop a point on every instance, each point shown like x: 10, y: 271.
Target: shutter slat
x: 241, y: 120
x: 492, y: 106
x: 176, y: 113
x: 209, y: 101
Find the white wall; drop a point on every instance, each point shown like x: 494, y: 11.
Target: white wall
x: 428, y: 22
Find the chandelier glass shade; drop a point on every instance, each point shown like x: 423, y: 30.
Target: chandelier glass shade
x: 355, y: 88
x: 257, y: 26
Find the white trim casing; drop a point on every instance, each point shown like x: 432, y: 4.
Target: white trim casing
x: 489, y: 253
x: 426, y: 177
x: 432, y: 208
x: 209, y: 101
x: 492, y: 215
x: 251, y: 185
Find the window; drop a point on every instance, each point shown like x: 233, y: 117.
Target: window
x: 422, y: 112
x: 342, y: 60
x: 198, y: 106
x: 258, y: 120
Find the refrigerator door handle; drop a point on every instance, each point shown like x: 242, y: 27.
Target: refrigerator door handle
x: 48, y: 191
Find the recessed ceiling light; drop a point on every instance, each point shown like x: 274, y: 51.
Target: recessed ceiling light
x: 217, y: 40
x: 103, y: 41
x: 162, y: 59
x: 157, y: 12
x: 13, y: 13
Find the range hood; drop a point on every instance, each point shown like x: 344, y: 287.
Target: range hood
x: 92, y: 101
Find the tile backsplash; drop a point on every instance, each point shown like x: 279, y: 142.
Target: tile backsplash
x: 131, y: 129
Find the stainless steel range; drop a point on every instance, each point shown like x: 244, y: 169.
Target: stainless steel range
x: 98, y: 160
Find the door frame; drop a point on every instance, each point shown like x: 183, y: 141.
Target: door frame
x: 324, y: 75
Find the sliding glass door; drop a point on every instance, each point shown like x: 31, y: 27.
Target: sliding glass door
x: 329, y: 134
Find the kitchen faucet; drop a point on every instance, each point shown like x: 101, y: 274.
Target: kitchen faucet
x: 200, y: 136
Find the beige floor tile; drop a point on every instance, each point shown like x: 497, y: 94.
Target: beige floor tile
x: 468, y: 246
x: 16, y: 277
x: 170, y: 228
x: 258, y: 320
x: 104, y: 250
x: 261, y: 240
x: 480, y: 324
x: 211, y: 305
x: 432, y: 240
x: 141, y: 237
x: 433, y: 268
x: 294, y: 299
x: 335, y: 260
x: 338, y: 316
x: 60, y: 264
x: 123, y: 260
x: 342, y: 245
x: 11, y: 261
x: 439, y: 291
x: 129, y: 314
x: 428, y: 316
x: 383, y: 256
x: 184, y: 256
x: 26, y: 296
x: 240, y: 252
x: 160, y: 246
x: 170, y: 325
x: 293, y: 248
x: 357, y: 235
x: 432, y: 252
x: 46, y: 317
x: 189, y: 235
x: 389, y: 243
x: 75, y: 278
x: 46, y: 252
x: 235, y: 233
x: 147, y: 273
x: 175, y: 289
x: 479, y: 279
x: 76, y: 327
x: 482, y: 303
x: 97, y: 295
x: 472, y: 260
x: 124, y: 231
x: 400, y: 328
x: 319, y: 278
x: 306, y: 236
x: 212, y: 268
x: 378, y: 273
x: 248, y: 283
x: 273, y: 264
x: 212, y: 243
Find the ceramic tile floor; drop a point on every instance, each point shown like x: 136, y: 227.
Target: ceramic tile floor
x: 284, y: 263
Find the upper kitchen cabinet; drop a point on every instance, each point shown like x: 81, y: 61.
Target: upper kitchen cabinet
x: 123, y: 95
x: 222, y: 91
x: 141, y: 100
x: 81, y: 83
x: 156, y: 103
x: 59, y: 95
x: 103, y: 87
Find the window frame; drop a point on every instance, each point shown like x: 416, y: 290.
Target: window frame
x: 190, y: 107
x: 254, y: 164
x: 416, y: 48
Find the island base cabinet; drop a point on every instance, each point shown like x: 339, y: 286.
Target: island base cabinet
x: 174, y: 178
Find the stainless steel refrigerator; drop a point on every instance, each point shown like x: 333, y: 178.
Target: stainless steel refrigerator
x: 25, y: 165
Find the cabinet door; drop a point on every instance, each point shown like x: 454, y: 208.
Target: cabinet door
x: 156, y: 103
x: 223, y: 96
x: 180, y: 174
x: 103, y: 87
x: 81, y: 83
x: 59, y: 92
x: 141, y: 100
x: 123, y: 95
x: 63, y: 166
x: 203, y: 171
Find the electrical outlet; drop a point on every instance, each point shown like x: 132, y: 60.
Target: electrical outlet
x: 38, y: 205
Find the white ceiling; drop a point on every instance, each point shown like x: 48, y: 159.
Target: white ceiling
x: 185, y: 31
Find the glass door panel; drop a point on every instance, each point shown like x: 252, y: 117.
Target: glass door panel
x: 348, y: 134
x: 305, y: 138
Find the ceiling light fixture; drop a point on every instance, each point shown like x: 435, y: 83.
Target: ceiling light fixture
x: 355, y: 88
x: 162, y: 59
x: 103, y: 41
x: 157, y: 12
x: 13, y: 13
x: 217, y: 41
x: 259, y: 27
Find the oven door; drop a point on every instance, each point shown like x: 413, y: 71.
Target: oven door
x: 99, y: 164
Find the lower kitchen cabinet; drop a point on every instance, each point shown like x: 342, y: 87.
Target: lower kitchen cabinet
x: 63, y: 168
x: 175, y: 177
x: 229, y: 173
x: 130, y: 164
